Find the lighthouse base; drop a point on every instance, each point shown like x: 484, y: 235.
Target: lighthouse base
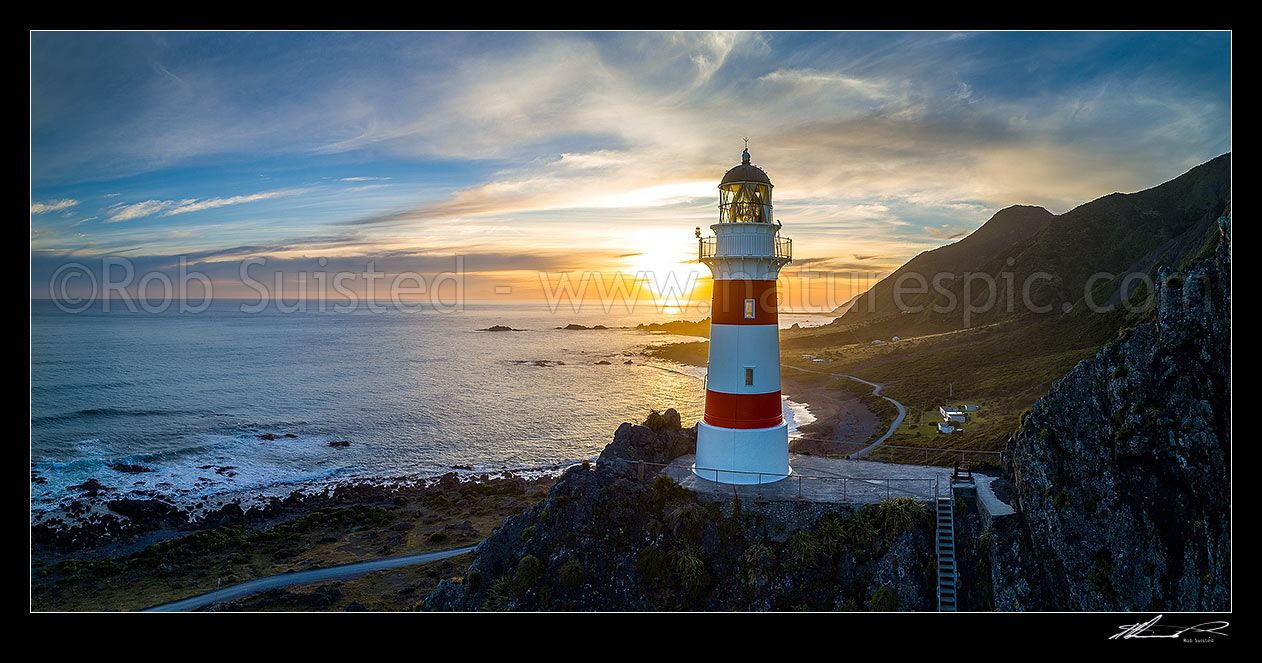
x: 742, y: 455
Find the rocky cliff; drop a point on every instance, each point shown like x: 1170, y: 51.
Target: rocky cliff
x: 615, y: 538
x: 1121, y: 474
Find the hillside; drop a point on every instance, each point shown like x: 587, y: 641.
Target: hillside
x: 1115, y: 235
x: 1005, y: 359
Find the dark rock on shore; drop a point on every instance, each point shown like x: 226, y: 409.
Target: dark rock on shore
x: 152, y: 510
x: 91, y: 487
x: 603, y: 362
x: 660, y: 440
x: 77, y: 532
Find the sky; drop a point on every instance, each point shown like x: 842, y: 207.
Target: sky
x: 519, y: 160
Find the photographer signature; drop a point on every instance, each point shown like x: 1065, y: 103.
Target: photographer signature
x: 1151, y: 629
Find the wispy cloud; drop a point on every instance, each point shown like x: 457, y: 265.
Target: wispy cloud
x: 211, y: 203
x: 124, y: 212
x: 172, y: 207
x: 52, y: 206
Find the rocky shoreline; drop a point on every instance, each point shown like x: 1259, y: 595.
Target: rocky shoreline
x: 97, y: 524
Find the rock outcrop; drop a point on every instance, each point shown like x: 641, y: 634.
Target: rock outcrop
x: 1121, y: 473
x: 606, y: 539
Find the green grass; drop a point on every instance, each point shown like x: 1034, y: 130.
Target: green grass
x: 1002, y: 368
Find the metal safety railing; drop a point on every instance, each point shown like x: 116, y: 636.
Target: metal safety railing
x: 795, y: 485
x: 782, y: 249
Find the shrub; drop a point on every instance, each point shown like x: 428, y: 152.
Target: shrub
x: 686, y: 521
x: 653, y: 563
x: 498, y: 595
x: 759, y: 560
x: 804, y: 549
x: 572, y: 573
x: 884, y: 600
x: 528, y: 570
x: 655, y: 421
x: 665, y: 491
x: 831, y: 534
x: 900, y: 514
x: 473, y: 582
x: 693, y: 576
x: 529, y: 533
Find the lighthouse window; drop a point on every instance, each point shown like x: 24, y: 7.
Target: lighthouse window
x: 749, y: 308
x: 749, y: 377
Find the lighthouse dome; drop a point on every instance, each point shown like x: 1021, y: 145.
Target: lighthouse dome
x: 746, y: 172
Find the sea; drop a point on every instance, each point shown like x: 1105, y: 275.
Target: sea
x: 416, y: 393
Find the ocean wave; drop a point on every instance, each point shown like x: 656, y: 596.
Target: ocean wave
x: 113, y: 412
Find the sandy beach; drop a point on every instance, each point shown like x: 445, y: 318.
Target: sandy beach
x: 843, y: 424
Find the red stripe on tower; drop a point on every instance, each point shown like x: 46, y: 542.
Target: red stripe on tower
x: 744, y: 302
x: 743, y: 410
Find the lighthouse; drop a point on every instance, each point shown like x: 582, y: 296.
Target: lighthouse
x: 743, y: 438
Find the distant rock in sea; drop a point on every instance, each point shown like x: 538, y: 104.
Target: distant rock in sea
x: 575, y: 327
x: 90, y: 487
x: 340, y: 443
x: 130, y: 469
x: 500, y: 328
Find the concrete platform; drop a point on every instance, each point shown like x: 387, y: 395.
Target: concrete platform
x: 831, y: 480
x: 994, y: 506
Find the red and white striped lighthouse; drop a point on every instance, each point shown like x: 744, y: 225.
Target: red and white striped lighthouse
x: 744, y: 431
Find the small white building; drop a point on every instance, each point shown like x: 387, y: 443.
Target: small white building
x: 969, y: 408
x: 946, y: 428
x: 952, y: 413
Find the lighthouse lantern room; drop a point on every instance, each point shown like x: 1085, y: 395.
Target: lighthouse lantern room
x: 743, y: 438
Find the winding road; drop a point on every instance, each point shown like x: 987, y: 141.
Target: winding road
x: 303, y: 577
x: 876, y: 391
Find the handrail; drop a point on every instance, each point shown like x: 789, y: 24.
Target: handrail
x: 707, y: 247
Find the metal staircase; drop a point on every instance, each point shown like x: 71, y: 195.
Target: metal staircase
x: 946, y: 555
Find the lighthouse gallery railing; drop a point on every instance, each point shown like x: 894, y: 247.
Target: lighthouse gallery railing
x: 707, y: 247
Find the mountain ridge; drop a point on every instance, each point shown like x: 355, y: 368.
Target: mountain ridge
x: 1096, y: 244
